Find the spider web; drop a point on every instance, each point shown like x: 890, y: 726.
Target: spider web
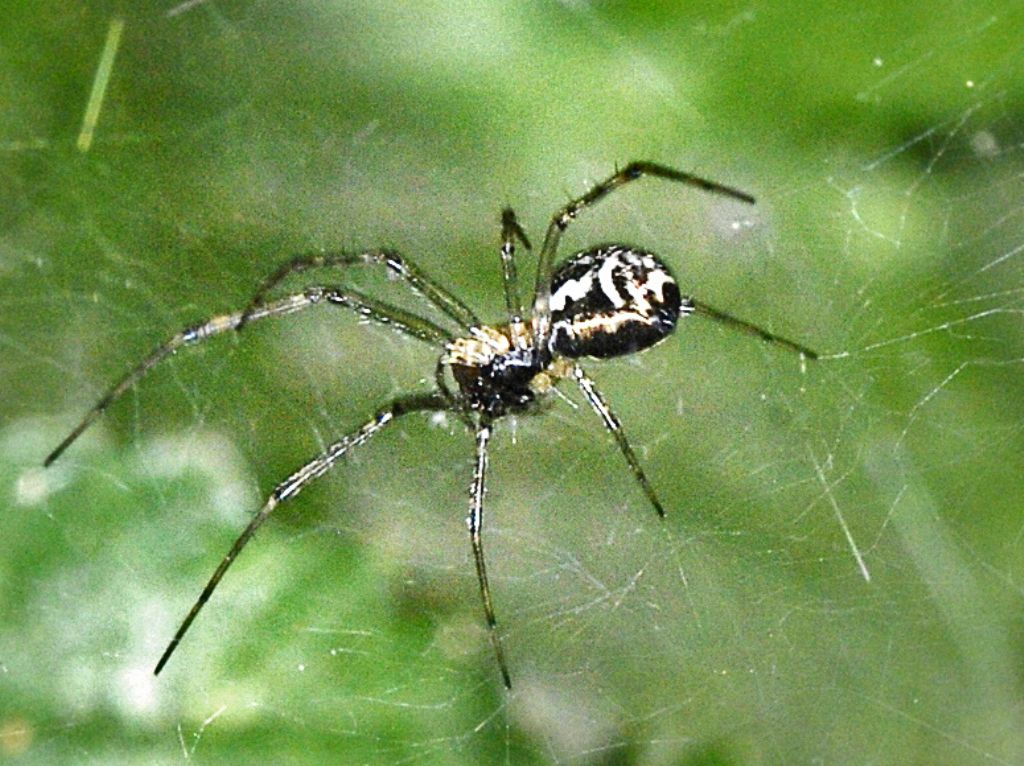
x: 838, y: 576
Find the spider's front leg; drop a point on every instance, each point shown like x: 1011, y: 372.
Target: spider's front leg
x: 397, y: 264
x: 188, y: 336
x: 365, y: 306
x: 475, y: 522
x: 294, y: 484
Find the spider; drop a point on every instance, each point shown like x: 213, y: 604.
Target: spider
x: 603, y: 302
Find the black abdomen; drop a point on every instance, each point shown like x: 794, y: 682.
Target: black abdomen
x: 610, y: 301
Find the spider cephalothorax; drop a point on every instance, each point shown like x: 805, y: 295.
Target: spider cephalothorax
x: 497, y: 370
x: 603, y: 302
x: 608, y: 301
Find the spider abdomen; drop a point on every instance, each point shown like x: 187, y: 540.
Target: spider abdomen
x: 610, y: 301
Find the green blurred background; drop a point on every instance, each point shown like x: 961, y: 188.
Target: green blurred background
x: 884, y: 146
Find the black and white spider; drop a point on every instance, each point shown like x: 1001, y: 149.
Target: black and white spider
x: 603, y: 302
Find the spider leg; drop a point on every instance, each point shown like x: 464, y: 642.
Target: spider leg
x: 392, y: 261
x: 752, y: 329
x: 382, y: 313
x: 475, y: 521
x: 370, y: 308
x: 456, y: 403
x: 510, y: 232
x: 294, y: 484
x: 612, y: 423
x: 561, y: 219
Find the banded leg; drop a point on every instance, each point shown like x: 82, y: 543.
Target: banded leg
x: 560, y: 221
x: 382, y: 313
x: 290, y: 487
x: 397, y: 264
x: 370, y: 308
x: 510, y: 232
x: 612, y: 423
x: 475, y: 522
x: 751, y: 329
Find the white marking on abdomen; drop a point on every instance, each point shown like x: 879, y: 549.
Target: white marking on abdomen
x: 607, y: 281
x: 572, y: 290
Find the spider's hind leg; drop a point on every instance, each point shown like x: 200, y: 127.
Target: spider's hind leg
x: 751, y: 329
x: 612, y: 423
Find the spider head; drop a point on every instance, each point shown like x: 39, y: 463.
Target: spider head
x: 496, y: 370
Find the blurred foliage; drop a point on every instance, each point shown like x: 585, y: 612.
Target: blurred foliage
x: 882, y: 143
